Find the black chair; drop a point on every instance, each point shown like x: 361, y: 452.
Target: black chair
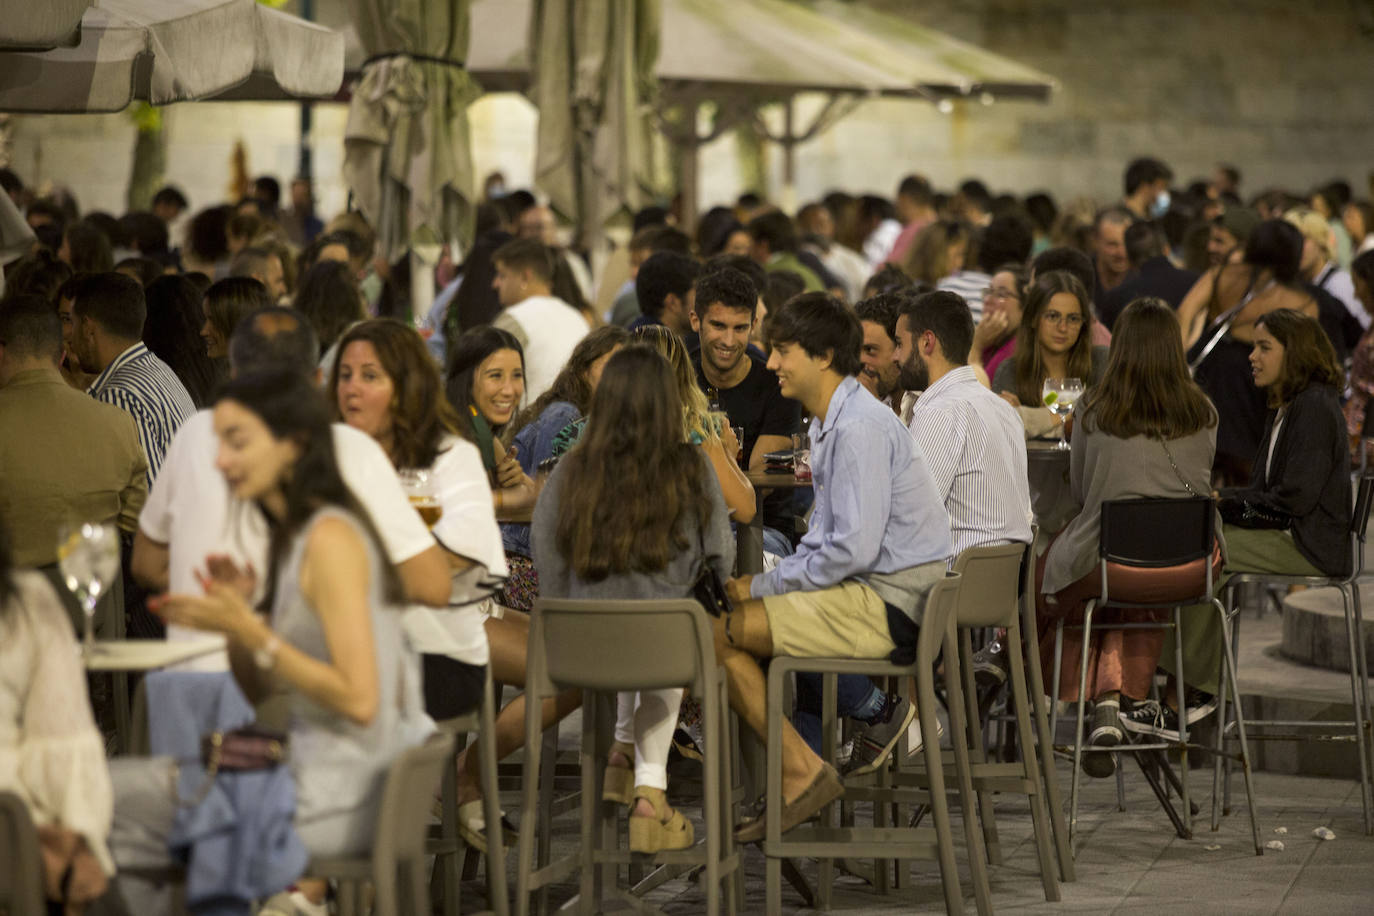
x: 1145, y: 543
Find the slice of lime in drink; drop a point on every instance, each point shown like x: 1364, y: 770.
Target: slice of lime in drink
x: 1050, y: 398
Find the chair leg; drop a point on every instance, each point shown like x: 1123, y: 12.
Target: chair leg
x: 1050, y: 779
x: 978, y: 754
x: 1053, y: 692
x: 1357, y: 696
x: 1237, y: 709
x: 1182, y: 723
x: 531, y: 820
x: 1075, y: 776
x: 498, y: 891
x: 1219, y: 751
x: 939, y: 801
x: 1228, y: 647
x: 959, y: 732
x: 1030, y: 770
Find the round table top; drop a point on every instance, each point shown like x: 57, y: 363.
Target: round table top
x: 776, y: 481
x: 1045, y: 450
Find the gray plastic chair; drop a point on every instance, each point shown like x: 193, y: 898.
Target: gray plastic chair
x: 21, y: 869
x: 447, y: 847
x: 396, y: 868
x: 1348, y: 586
x: 880, y: 842
x: 604, y: 647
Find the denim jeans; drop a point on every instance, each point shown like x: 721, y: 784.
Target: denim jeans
x: 855, y: 696
x: 774, y: 541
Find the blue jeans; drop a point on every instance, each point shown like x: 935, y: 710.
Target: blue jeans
x: 774, y: 541
x: 855, y: 696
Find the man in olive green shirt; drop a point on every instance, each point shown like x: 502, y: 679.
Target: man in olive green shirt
x: 64, y: 456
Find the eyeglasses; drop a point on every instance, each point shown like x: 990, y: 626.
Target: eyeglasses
x: 1072, y: 320
x: 1001, y: 295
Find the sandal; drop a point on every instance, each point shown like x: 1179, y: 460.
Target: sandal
x: 666, y: 829
x: 472, y: 827
x: 618, y: 781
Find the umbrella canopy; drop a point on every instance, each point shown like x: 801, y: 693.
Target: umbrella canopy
x: 407, y: 150
x: 163, y: 51
x: 42, y: 25
x: 593, y: 79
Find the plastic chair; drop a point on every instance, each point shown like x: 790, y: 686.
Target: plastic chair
x: 880, y: 842
x: 447, y: 848
x: 21, y: 869
x: 1348, y: 586
x: 1153, y: 539
x: 656, y: 644
x: 399, y: 847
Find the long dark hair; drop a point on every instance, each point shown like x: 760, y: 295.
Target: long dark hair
x: 292, y: 408
x: 1030, y: 364
x: 420, y: 414
x: 476, y: 303
x: 172, y: 331
x: 1146, y: 389
x: 229, y: 301
x: 329, y: 299
x: 469, y: 352
x: 571, y: 385
x: 1308, y: 357
x: 631, y: 479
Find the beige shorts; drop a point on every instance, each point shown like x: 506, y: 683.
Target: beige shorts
x: 848, y: 620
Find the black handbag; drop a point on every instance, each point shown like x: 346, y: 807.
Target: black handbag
x: 1246, y: 512
x: 708, y: 590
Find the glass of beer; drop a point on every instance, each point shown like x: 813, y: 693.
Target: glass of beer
x: 419, y: 486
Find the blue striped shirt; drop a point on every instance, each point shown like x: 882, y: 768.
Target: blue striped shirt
x: 877, y: 511
x: 139, y: 383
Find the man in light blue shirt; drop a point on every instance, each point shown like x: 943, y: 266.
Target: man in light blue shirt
x: 878, y: 541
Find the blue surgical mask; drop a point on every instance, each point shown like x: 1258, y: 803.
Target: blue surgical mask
x: 1160, y: 205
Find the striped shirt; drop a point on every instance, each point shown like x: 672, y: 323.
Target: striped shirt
x: 969, y: 284
x: 974, y: 445
x: 147, y: 388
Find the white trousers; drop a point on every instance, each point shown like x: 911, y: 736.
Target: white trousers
x: 646, y: 719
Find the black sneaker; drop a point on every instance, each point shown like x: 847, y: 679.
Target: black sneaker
x: 990, y: 665
x: 874, y: 744
x: 1104, y: 731
x: 1150, y: 717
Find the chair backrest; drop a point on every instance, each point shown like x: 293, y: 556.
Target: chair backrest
x: 411, y: 785
x: 621, y: 645
x: 1157, y: 532
x: 936, y: 619
x: 1364, y: 499
x: 21, y: 869
x: 990, y: 585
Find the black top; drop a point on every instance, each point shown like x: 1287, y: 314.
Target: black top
x: 1157, y: 277
x: 757, y: 405
x: 1310, y: 477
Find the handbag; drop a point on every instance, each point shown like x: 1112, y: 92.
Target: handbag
x: 237, y: 750
x: 708, y: 590
x: 1247, y: 512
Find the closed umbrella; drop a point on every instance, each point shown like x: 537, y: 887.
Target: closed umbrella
x: 41, y: 24
x: 163, y: 51
x: 592, y: 83
x: 407, y: 151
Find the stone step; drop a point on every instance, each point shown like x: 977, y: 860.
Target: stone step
x: 1314, y: 630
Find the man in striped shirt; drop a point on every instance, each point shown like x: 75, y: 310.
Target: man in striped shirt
x: 108, y: 312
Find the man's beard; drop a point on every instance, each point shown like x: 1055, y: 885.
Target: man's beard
x: 913, y: 374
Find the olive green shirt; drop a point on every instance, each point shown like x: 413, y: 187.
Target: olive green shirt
x: 64, y: 457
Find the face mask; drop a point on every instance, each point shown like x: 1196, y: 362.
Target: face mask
x: 1160, y: 205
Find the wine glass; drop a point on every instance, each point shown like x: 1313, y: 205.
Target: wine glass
x: 88, y: 556
x: 419, y: 487
x: 1060, y: 394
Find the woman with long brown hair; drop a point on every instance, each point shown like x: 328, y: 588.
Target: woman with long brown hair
x: 938, y: 250
x: 633, y: 511
x: 1146, y: 430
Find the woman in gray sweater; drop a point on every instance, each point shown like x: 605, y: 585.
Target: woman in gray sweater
x: 634, y: 511
x: 1146, y: 430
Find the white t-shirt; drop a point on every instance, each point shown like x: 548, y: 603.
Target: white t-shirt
x: 468, y: 528
x: 548, y: 329
x: 191, y: 510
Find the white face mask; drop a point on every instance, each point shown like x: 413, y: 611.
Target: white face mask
x: 1160, y: 205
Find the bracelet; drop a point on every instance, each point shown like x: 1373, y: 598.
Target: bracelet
x: 499, y: 495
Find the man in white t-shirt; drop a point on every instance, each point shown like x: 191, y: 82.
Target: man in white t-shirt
x: 547, y: 327
x: 190, y: 512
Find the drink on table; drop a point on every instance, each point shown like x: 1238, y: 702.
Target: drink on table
x: 420, y: 489
x: 1060, y: 394
x: 88, y: 557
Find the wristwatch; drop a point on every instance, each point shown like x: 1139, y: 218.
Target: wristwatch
x: 265, y: 656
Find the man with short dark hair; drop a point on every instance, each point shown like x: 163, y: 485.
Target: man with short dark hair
x: 191, y: 513
x: 878, y: 318
x: 664, y: 287
x: 916, y: 210
x: 775, y: 247
x: 1146, y: 183
x: 1109, y: 247
x: 63, y: 455
x: 1229, y: 232
x: 877, y: 543
x: 108, y: 312
x: 644, y: 244
x: 169, y: 203
x: 547, y: 327
x: 739, y: 383
x: 1152, y: 274
x: 262, y: 265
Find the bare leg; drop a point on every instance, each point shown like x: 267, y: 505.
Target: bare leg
x: 509, y: 637
x: 748, y: 639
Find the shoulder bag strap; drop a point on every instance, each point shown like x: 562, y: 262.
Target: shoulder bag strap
x: 1177, y: 473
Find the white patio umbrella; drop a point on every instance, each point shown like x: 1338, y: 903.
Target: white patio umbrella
x: 41, y: 24
x: 163, y: 51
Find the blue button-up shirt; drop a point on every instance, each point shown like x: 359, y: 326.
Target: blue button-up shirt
x: 877, y: 508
